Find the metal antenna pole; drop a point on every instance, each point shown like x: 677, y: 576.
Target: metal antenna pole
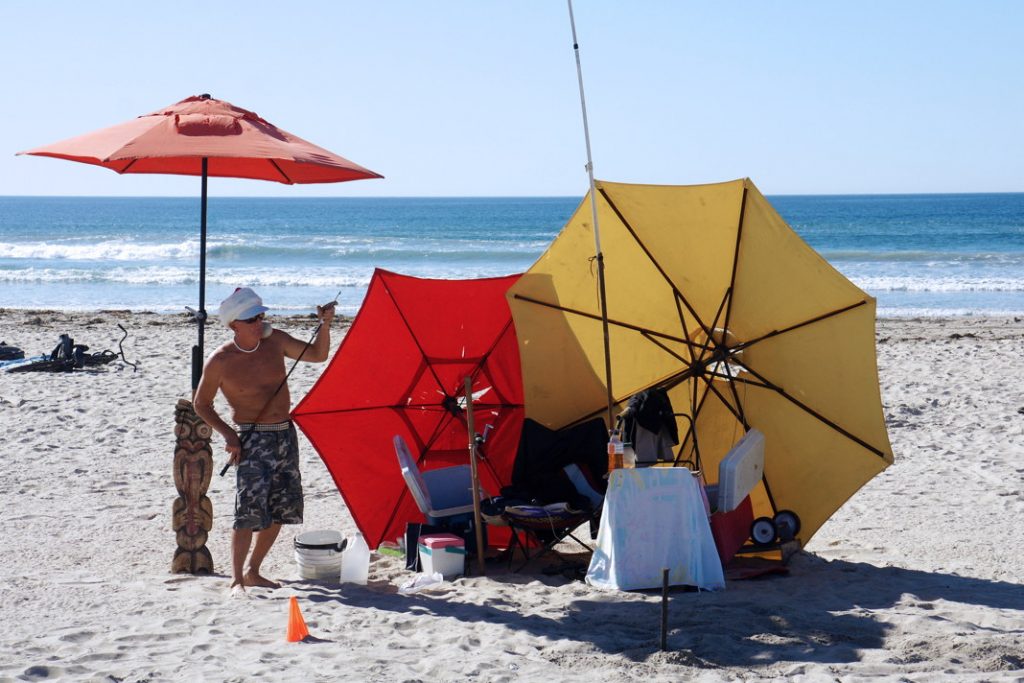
x: 599, y: 255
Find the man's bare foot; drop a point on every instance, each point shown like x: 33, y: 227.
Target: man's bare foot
x: 254, y: 579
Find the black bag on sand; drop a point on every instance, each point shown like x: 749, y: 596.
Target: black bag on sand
x: 413, y: 531
x: 10, y: 352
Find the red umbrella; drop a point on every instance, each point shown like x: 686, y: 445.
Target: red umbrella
x: 401, y: 370
x: 206, y: 137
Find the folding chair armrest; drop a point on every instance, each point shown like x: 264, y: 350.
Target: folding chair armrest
x: 450, y: 512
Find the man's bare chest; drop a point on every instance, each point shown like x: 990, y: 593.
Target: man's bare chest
x: 255, y: 376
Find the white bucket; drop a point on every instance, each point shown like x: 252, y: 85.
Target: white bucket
x: 318, y: 554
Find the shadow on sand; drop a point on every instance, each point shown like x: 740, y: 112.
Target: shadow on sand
x: 823, y: 611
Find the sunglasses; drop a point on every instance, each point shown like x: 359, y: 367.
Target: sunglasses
x: 254, y: 319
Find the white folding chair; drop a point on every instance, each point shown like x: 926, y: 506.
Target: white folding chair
x: 440, y: 493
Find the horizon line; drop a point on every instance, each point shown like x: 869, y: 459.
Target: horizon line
x: 485, y: 196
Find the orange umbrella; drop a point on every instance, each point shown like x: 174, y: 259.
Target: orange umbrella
x: 206, y: 137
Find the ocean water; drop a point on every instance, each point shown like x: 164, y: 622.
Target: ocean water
x: 917, y: 254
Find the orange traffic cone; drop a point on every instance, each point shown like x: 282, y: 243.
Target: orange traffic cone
x: 296, y: 624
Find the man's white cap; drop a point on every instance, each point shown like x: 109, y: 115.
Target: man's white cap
x: 243, y: 303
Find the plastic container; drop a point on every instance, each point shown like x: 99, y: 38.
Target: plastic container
x: 628, y: 456
x: 615, y: 451
x: 318, y: 554
x: 444, y: 554
x: 355, y: 561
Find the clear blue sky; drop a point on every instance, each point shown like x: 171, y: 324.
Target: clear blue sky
x: 463, y: 98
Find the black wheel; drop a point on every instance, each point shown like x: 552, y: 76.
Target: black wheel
x: 787, y: 524
x: 763, y: 531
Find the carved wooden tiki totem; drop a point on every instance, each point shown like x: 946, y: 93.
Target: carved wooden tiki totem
x: 192, y: 513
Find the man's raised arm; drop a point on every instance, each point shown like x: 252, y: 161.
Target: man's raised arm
x: 320, y: 349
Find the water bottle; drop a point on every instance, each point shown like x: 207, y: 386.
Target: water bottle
x: 355, y: 561
x: 628, y: 456
x: 615, y: 451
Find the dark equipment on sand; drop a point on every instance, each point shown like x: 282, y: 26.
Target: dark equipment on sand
x: 68, y: 356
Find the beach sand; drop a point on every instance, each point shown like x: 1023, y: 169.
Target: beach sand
x: 920, y: 576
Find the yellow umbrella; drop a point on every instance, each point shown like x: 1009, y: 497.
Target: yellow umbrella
x: 713, y: 297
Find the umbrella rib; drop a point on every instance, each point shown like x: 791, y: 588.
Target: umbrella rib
x: 336, y: 411
x: 730, y: 407
x: 724, y: 344
x: 691, y: 430
x: 479, y: 367
x: 281, y: 171
x: 723, y: 305
x: 704, y: 348
x: 735, y: 394
x: 739, y: 347
x: 695, y: 408
x: 412, y: 335
x: 646, y: 335
x: 405, y: 489
x: 394, y: 510
x: 736, y: 257
x: 130, y: 164
x: 729, y: 297
x: 439, y: 428
x: 594, y: 413
x: 649, y: 336
x: 810, y: 321
x: 404, y: 407
x: 739, y: 416
x: 682, y: 326
x: 653, y: 260
x: 741, y: 380
x: 444, y: 418
x: 619, y: 323
x: 746, y: 428
x: 813, y: 413
x: 732, y: 386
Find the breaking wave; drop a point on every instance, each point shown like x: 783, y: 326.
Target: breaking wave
x: 940, y: 284
x: 157, y: 276
x: 380, y: 249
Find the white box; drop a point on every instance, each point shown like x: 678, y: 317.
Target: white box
x: 740, y: 470
x: 442, y: 553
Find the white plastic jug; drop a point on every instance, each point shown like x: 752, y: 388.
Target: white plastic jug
x: 355, y: 561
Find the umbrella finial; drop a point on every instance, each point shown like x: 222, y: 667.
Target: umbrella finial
x: 451, y: 404
x: 205, y: 96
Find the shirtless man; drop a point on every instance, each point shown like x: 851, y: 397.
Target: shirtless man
x: 264, y: 445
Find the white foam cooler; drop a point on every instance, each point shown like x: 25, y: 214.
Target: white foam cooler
x: 318, y: 554
x: 740, y: 470
x: 442, y: 553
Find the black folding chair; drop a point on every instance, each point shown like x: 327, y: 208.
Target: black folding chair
x: 541, y: 528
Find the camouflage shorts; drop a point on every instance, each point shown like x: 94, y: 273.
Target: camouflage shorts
x: 268, y: 485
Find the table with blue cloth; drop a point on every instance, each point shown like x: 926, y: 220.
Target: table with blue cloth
x: 653, y: 519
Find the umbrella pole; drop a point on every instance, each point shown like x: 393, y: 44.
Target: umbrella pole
x: 197, y: 350
x: 475, y: 476
x: 598, y: 254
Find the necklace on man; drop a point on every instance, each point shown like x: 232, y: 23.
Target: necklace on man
x: 252, y: 350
